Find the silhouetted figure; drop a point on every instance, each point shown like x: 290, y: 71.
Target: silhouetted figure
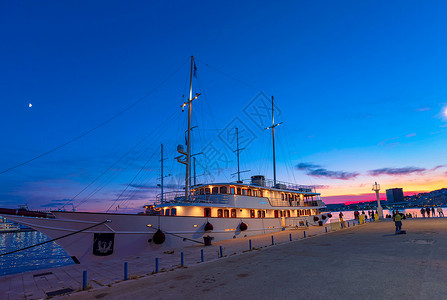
x: 423, y: 212
x: 398, y: 222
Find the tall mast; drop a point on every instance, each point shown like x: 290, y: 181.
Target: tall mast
x: 273, y: 137
x: 237, y: 151
x: 161, y: 174
x: 188, y: 145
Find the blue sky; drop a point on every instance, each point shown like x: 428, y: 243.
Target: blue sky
x: 359, y: 85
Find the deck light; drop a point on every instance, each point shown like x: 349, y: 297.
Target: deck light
x: 149, y: 225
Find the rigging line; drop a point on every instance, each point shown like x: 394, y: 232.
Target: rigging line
x: 121, y: 158
x: 142, y: 168
x: 52, y: 240
x: 96, y: 127
x: 112, y: 176
x: 230, y: 76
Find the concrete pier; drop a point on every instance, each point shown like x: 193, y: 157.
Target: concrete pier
x: 366, y: 261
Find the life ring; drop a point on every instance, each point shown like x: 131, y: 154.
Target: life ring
x: 159, y: 237
x: 208, y: 226
x: 316, y: 218
x: 243, y: 226
x: 323, y: 217
x: 329, y: 215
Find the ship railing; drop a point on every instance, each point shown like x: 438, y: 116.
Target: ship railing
x: 294, y: 203
x: 282, y: 185
x: 179, y: 197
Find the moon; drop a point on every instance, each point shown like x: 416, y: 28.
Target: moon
x: 30, y: 105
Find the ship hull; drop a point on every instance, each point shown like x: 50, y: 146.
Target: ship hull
x: 127, y: 235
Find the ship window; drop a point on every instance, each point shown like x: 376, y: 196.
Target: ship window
x: 202, y: 192
x: 207, y: 191
x: 282, y: 196
x: 276, y: 214
x: 260, y: 193
x: 259, y: 214
x: 280, y: 213
x: 219, y: 213
x: 288, y: 213
x: 226, y: 213
x: 263, y: 214
x: 232, y: 190
x: 173, y: 211
x: 290, y: 197
x: 162, y: 212
x: 255, y: 193
x: 207, y: 212
x: 215, y: 190
x: 296, y: 197
x: 244, y: 192
x: 233, y: 213
x: 239, y: 191
x: 249, y: 192
x: 167, y: 212
x: 223, y: 189
x: 252, y: 213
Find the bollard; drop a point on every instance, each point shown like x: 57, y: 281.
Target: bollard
x: 325, y: 228
x: 290, y: 237
x: 84, y: 280
x: 249, y: 244
x: 220, y: 248
x: 125, y: 270
x: 181, y: 259
x: 156, y: 265
x: 304, y: 233
x: 273, y: 241
x: 201, y: 255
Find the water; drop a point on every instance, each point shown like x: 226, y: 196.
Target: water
x: 49, y: 255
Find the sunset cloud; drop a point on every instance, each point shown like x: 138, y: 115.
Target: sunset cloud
x: 317, y: 171
x: 396, y: 171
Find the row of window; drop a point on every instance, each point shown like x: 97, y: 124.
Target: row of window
x: 240, y: 191
x: 226, y: 213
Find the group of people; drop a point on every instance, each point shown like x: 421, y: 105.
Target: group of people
x: 371, y: 214
x: 427, y: 211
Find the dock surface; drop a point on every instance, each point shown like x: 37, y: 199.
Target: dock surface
x: 367, y: 261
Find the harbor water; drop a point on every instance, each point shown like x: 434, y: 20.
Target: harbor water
x: 41, y: 257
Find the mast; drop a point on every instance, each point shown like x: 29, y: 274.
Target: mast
x: 186, y: 159
x: 188, y: 145
x: 273, y: 137
x: 237, y: 151
x: 161, y: 174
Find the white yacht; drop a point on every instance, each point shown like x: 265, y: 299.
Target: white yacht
x: 197, y: 215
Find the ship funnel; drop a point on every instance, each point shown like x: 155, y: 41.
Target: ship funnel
x: 258, y: 180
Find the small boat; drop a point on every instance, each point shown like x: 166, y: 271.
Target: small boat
x: 196, y: 215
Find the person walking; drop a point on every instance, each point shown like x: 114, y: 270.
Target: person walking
x: 423, y: 212
x: 398, y: 222
x: 427, y: 210
x: 433, y: 212
x: 440, y: 212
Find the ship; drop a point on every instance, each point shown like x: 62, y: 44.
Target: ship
x: 198, y: 215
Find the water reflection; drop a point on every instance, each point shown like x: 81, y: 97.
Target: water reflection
x: 40, y: 257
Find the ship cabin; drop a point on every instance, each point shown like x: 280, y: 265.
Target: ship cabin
x: 255, y: 199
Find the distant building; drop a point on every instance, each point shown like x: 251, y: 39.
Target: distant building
x: 395, y: 195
